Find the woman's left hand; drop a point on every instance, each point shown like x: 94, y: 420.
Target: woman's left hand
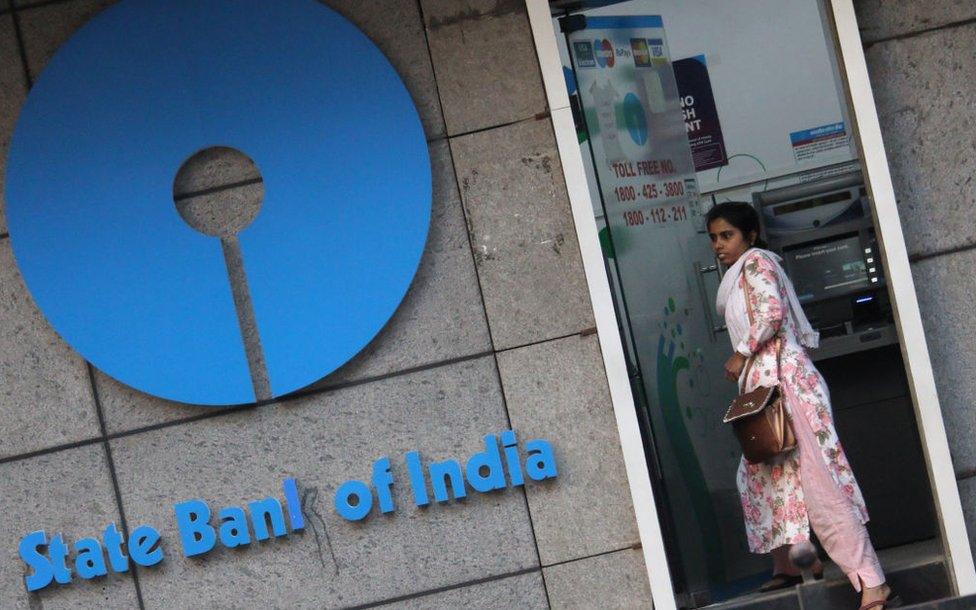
x: 733, y: 366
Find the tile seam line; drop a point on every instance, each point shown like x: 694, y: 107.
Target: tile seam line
x: 630, y: 547
x: 433, y: 73
x: 49, y: 450
x: 586, y: 332
x: 446, y: 588
x: 38, y: 4
x: 477, y: 271
x: 215, y: 412
x: 392, y: 374
x: 525, y: 493
x: 494, y: 355
x: 218, y: 411
x: 961, y: 475
x: 457, y: 180
x: 487, y: 579
x: 967, y: 474
x: 21, y: 47
x: 539, y: 116
x: 917, y: 258
x: 114, y: 475
x: 210, y: 190
x: 914, y: 33
x: 525, y: 498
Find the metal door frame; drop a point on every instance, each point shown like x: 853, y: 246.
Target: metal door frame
x: 908, y: 319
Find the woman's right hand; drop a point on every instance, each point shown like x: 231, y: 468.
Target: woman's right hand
x: 734, y: 365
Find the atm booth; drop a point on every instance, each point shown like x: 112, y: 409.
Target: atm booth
x: 662, y: 109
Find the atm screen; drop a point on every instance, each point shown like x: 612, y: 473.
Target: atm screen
x: 827, y: 269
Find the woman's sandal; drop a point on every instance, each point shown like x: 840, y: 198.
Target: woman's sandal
x: 893, y: 601
x: 780, y: 581
x: 785, y: 581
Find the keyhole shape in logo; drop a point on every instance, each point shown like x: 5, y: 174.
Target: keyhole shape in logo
x: 149, y: 300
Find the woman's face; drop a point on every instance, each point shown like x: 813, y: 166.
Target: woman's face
x: 728, y: 242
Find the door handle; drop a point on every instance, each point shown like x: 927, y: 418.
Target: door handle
x: 700, y: 271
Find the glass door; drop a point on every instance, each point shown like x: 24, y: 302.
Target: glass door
x: 666, y: 275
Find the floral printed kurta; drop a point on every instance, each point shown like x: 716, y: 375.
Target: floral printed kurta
x: 771, y: 494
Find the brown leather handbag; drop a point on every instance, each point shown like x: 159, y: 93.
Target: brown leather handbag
x: 759, y: 418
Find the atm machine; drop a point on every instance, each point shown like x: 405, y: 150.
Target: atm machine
x: 824, y: 231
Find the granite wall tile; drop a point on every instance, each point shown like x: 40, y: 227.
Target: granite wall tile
x: 485, y: 61
x: 924, y: 92
x: 13, y: 92
x: 613, y: 580
x: 126, y: 408
x: 45, y: 394
x: 442, y: 316
x: 523, y: 591
x: 522, y: 233
x: 878, y: 19
x: 557, y: 391
x: 398, y: 30
x: 945, y: 286
x: 46, y: 27
x: 68, y: 492
x: 322, y: 441
x: 967, y: 496
x: 213, y: 168
x: 218, y: 191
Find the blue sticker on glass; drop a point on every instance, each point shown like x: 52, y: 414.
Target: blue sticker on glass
x: 127, y: 283
x: 635, y: 119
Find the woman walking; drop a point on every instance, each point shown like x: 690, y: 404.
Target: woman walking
x: 812, y: 485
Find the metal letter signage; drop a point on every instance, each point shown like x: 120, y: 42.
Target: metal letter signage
x: 202, y: 529
x: 136, y: 291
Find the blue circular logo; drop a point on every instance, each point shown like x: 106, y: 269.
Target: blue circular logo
x: 147, y: 299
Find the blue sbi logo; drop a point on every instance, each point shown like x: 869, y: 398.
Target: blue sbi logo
x: 142, y: 295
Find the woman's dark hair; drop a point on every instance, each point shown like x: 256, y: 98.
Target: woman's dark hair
x: 740, y: 215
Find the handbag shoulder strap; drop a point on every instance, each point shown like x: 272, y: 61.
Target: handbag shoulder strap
x: 752, y: 320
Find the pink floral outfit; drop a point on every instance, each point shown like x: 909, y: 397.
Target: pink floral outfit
x: 813, y: 484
